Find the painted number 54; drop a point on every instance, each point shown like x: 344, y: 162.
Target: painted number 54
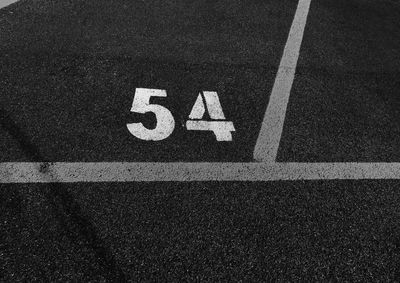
x: 165, y: 122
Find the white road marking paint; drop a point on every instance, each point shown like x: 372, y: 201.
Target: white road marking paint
x: 5, y: 3
x: 165, y: 121
x: 198, y: 109
x: 214, y: 107
x: 149, y: 172
x: 222, y: 129
x: 267, y: 146
x: 269, y: 137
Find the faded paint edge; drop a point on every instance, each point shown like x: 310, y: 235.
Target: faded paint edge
x: 5, y: 3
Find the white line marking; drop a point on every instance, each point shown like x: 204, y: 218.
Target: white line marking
x: 149, y: 172
x: 269, y: 137
x: 266, y: 150
x: 5, y: 3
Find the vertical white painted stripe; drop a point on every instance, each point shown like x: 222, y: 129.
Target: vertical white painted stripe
x: 4, y: 3
x: 266, y: 149
x: 267, y: 145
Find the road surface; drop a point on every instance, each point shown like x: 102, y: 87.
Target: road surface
x: 69, y: 71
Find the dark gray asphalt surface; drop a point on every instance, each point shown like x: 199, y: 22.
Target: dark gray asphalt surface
x: 325, y: 230
x: 70, y: 69
x: 67, y: 76
x: 345, y: 103
x: 56, y: 101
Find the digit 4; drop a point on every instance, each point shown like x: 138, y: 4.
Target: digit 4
x: 221, y: 128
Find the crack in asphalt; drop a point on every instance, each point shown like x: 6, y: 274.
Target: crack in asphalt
x: 67, y: 211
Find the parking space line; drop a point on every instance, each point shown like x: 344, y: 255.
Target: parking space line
x: 5, y: 3
x: 265, y: 151
x: 267, y: 145
x: 178, y: 172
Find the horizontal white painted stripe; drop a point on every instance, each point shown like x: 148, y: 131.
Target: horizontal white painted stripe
x: 144, y: 172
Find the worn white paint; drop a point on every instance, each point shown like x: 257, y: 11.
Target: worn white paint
x: 149, y: 172
x: 222, y: 129
x: 214, y: 105
x: 266, y: 149
x: 269, y: 137
x: 198, y: 109
x: 5, y: 3
x: 165, y: 122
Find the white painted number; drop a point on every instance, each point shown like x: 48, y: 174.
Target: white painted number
x: 222, y: 129
x: 164, y: 119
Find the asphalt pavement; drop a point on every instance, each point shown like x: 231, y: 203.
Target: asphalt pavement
x: 349, y: 70
x: 78, y: 66
x: 68, y: 74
